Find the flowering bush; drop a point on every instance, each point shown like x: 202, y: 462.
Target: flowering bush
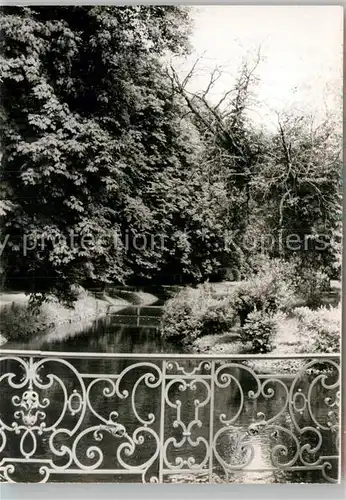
x: 270, y: 290
x: 320, y: 329
x: 194, y: 312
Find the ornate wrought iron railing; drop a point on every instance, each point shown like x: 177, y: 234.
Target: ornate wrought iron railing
x: 162, y: 417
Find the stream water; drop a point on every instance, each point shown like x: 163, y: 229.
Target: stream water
x: 107, y: 335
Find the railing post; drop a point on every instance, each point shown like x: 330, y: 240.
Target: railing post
x: 162, y: 420
x: 211, y: 420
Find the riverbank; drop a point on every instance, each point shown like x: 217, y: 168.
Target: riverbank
x: 19, y: 323
x: 55, y: 320
x: 288, y: 341
x: 206, y: 321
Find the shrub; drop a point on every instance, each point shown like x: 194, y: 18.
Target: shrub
x: 260, y: 329
x: 270, y: 290
x: 18, y: 322
x: 320, y: 329
x: 311, y: 286
x: 282, y: 269
x: 194, y: 312
x: 218, y: 317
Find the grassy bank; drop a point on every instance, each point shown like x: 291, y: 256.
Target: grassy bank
x: 19, y: 323
x: 299, y: 332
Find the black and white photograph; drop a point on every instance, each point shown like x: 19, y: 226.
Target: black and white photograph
x: 171, y: 243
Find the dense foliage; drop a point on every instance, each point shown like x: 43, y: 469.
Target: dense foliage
x: 256, y: 310
x: 270, y: 290
x: 112, y: 171
x: 96, y: 150
x: 297, y: 193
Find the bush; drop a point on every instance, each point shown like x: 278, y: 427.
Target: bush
x: 270, y: 290
x: 260, y: 329
x: 218, y: 317
x: 280, y: 268
x: 311, y: 286
x: 194, y: 312
x: 320, y: 329
x: 18, y: 322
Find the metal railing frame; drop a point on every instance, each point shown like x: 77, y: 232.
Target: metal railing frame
x: 212, y: 372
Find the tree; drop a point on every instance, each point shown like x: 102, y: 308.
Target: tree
x: 298, y: 192
x: 102, y: 165
x: 231, y: 151
x: 90, y: 124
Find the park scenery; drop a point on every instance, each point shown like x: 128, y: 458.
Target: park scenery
x: 171, y: 240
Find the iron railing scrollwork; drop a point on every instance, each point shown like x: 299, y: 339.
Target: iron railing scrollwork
x: 159, y: 417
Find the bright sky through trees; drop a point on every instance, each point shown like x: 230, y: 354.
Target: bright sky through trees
x: 301, y: 47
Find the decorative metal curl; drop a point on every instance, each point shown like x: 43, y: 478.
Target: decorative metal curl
x: 154, y: 419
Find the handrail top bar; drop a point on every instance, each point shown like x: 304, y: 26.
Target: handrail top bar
x: 162, y: 356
